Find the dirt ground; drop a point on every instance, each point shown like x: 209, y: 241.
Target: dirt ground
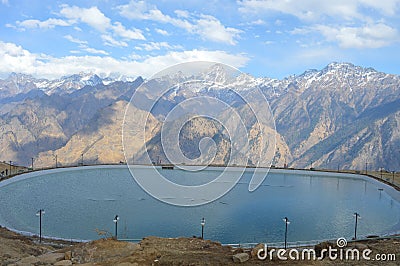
x: 16, y: 249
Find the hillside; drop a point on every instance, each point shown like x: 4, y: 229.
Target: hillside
x: 342, y: 116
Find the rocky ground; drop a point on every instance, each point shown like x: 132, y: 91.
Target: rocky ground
x: 20, y: 250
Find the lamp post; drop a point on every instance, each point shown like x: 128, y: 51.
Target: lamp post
x: 286, y: 220
x: 116, y: 219
x: 32, y: 163
x: 380, y: 192
x: 10, y: 167
x: 393, y: 177
x: 40, y: 213
x: 357, y: 215
x: 56, y: 161
x: 82, y: 159
x: 366, y: 168
x: 203, y: 223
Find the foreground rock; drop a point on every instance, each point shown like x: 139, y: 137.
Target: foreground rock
x: 19, y: 250
x: 15, y: 248
x: 240, y: 257
x: 255, y: 250
x: 51, y: 258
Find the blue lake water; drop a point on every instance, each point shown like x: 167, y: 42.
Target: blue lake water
x: 77, y: 201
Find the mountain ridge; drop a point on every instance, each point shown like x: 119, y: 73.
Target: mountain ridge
x: 340, y: 116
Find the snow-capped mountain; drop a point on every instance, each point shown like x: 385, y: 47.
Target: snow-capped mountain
x: 113, y: 77
x: 340, y: 116
x: 68, y: 84
x: 18, y: 83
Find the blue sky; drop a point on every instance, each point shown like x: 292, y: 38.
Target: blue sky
x: 271, y: 38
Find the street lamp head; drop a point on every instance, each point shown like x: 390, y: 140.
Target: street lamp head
x: 286, y: 220
x: 203, y: 221
x: 356, y: 214
x: 116, y: 219
x: 40, y: 212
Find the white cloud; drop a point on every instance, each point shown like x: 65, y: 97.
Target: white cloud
x: 4, y: 2
x: 74, y: 40
x: 206, y: 26
x: 135, y: 56
x: 315, y: 9
x: 14, y: 58
x: 369, y: 36
x: 162, y: 32
x: 96, y: 19
x: 141, y: 10
x: 91, y: 16
x: 84, y: 46
x: 135, y: 10
x: 158, y: 46
x: 110, y: 41
x: 387, y: 7
x: 46, y: 24
x: 163, y: 61
x: 209, y: 28
x: 94, y: 51
x: 257, y: 22
x: 302, y: 31
x: 182, y: 13
x: 9, y: 25
x: 121, y: 31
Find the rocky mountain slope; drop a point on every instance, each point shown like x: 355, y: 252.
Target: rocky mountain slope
x: 342, y: 116
x: 345, y: 116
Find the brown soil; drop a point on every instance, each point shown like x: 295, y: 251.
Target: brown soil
x: 13, y: 247
x: 16, y: 249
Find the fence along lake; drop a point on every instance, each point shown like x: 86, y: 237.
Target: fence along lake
x: 82, y: 202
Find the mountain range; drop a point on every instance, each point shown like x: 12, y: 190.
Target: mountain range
x: 342, y: 116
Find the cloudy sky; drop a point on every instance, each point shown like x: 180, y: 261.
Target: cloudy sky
x: 270, y: 38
